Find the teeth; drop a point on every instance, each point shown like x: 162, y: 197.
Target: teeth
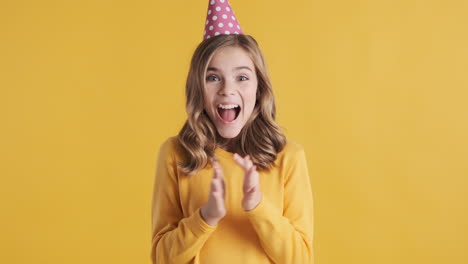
x: 231, y: 106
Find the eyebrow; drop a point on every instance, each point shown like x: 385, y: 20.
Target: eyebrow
x: 236, y: 68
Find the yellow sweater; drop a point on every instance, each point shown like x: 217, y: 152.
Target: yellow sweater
x: 279, y: 230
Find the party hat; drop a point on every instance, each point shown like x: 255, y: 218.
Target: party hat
x: 220, y: 19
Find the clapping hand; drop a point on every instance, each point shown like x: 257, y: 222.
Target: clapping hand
x: 214, y: 210
x: 251, y: 186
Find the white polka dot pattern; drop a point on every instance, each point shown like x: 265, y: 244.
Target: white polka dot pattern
x: 220, y: 16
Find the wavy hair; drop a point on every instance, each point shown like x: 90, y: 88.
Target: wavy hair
x: 260, y: 138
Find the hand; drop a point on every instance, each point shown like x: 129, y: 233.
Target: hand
x: 215, y: 209
x: 251, y: 187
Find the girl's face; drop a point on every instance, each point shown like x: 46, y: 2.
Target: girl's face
x: 231, y: 88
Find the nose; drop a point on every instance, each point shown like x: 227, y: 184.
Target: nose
x: 228, y: 88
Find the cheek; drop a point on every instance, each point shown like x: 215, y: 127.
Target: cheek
x: 206, y: 99
x: 209, y: 93
x: 250, y: 101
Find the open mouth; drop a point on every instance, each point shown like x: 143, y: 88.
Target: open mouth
x: 228, y: 113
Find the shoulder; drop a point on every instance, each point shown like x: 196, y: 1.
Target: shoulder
x: 291, y: 149
x: 171, y: 148
x: 292, y: 159
x: 292, y: 153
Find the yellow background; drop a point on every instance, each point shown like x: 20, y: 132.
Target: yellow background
x: 376, y: 91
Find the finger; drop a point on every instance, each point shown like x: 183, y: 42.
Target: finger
x: 249, y: 179
x: 217, y: 187
x: 219, y: 201
x: 248, y: 162
x: 220, y: 177
x: 255, y: 176
x: 241, y: 161
x: 215, y: 164
x: 214, y: 187
x: 217, y: 170
x: 251, y: 190
x: 218, y: 195
x: 224, y: 190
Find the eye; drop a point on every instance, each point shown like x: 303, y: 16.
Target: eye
x: 245, y: 78
x: 210, y: 79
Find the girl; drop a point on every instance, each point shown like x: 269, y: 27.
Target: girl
x: 229, y: 188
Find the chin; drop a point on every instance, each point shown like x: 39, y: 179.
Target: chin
x: 228, y: 133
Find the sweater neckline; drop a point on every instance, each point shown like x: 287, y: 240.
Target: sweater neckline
x: 224, y: 153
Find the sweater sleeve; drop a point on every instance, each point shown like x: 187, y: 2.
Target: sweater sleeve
x: 175, y: 239
x: 287, y: 236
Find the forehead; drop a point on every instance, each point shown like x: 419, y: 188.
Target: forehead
x: 230, y: 57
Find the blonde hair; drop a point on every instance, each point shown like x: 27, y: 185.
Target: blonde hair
x: 260, y: 138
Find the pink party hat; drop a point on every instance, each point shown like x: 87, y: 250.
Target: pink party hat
x: 220, y: 19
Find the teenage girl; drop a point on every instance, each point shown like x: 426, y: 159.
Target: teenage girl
x: 229, y: 188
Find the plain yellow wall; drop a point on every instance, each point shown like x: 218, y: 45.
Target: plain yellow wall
x: 376, y: 91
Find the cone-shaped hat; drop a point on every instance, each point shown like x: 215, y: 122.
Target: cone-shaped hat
x: 220, y: 19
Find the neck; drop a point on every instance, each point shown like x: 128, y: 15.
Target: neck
x: 230, y: 146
